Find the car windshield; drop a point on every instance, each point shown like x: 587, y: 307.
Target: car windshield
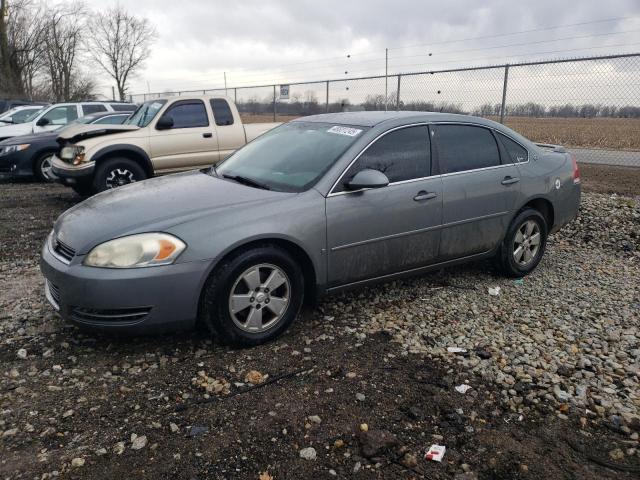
x: 145, y: 113
x: 19, y: 115
x: 290, y: 158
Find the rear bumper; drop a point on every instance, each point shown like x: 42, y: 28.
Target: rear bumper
x: 71, y: 174
x: 131, y: 301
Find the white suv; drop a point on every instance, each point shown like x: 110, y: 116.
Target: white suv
x: 59, y: 114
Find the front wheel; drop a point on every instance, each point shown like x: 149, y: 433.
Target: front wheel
x: 253, y: 296
x: 117, y: 172
x: 42, y: 168
x: 524, y: 245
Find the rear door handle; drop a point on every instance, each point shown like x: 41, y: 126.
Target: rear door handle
x: 422, y: 195
x: 510, y: 180
x: 207, y: 135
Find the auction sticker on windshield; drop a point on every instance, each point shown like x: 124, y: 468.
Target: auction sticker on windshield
x: 350, y: 132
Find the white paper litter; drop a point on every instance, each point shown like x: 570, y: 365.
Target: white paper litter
x: 464, y: 388
x: 456, y: 350
x: 435, y: 453
x: 495, y: 291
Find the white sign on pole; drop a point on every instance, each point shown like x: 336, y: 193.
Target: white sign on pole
x: 284, y: 92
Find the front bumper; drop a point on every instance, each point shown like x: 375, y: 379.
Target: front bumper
x: 17, y: 164
x: 72, y: 174
x: 136, y: 301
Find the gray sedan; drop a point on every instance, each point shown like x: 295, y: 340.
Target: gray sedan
x: 314, y: 206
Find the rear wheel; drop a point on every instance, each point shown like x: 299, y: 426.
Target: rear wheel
x: 42, y: 168
x: 253, y: 297
x: 524, y: 245
x: 117, y: 172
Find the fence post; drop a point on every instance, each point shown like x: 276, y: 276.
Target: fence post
x: 274, y: 103
x: 504, y: 93
x: 235, y: 96
x: 327, y: 101
x: 398, y: 94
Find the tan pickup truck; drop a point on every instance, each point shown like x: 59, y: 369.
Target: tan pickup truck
x: 162, y: 136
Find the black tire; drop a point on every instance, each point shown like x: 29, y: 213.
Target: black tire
x: 38, y: 170
x: 116, y: 172
x: 215, y: 299
x: 506, y: 259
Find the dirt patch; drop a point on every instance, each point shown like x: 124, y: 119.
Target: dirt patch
x: 610, y: 179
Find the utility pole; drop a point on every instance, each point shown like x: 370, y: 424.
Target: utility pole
x: 386, y: 79
x: 113, y: 92
x: 225, y: 83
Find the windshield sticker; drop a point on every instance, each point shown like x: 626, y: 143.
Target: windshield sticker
x: 156, y: 105
x: 350, y: 132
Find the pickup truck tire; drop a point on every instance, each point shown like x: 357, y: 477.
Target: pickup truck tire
x: 42, y: 167
x: 116, y: 172
x: 253, y: 296
x: 523, y: 246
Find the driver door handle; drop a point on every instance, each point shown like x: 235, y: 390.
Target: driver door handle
x: 422, y: 195
x: 509, y: 180
x: 207, y: 135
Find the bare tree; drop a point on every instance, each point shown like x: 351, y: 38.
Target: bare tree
x: 120, y: 43
x: 10, y: 81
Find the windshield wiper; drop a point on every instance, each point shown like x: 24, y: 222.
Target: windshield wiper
x: 247, y: 181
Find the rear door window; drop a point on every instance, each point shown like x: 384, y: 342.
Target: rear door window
x: 221, y: 111
x: 465, y: 147
x: 517, y: 152
x: 93, y: 108
x: 403, y: 154
x: 188, y: 114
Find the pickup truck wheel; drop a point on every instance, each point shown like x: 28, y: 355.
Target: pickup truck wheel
x: 117, y: 172
x: 42, y: 168
x: 524, y: 245
x: 253, y: 297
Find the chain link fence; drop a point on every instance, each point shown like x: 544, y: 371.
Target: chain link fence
x: 590, y: 105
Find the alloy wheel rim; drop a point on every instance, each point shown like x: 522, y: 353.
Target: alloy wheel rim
x: 119, y: 177
x: 526, y: 243
x: 259, y: 298
x: 46, y: 168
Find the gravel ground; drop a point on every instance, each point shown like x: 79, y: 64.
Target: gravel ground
x: 360, y: 387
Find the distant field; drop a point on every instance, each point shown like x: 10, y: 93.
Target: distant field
x: 604, y: 133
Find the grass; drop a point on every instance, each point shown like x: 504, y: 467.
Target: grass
x: 603, y: 133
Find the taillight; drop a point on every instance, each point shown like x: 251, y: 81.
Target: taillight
x: 576, y: 170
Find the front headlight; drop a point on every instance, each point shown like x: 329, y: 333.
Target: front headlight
x: 72, y: 154
x: 142, y: 250
x: 14, y: 148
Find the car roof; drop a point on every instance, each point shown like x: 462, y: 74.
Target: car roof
x: 373, y: 118
x: 107, y: 114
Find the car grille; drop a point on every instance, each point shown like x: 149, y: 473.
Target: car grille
x: 92, y: 315
x: 63, y: 250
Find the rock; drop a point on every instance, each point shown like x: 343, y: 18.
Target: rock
x: 351, y: 375
x: 118, y: 448
x: 77, y: 462
x: 357, y: 467
x: 22, y: 354
x: 360, y: 397
x: 483, y: 354
x: 101, y: 451
x: 315, y: 419
x: 9, y: 433
x: 138, y: 442
x: 410, y: 460
x: 308, y: 453
x: 174, y: 428
x: 67, y: 414
x: 254, y: 377
x: 197, y: 430
x: 375, y: 442
x: 339, y: 443
x: 364, y: 427
x: 616, y: 454
x: 466, y: 476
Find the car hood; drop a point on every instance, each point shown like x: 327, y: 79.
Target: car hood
x: 34, y: 137
x: 16, y: 129
x: 154, y: 205
x: 75, y: 133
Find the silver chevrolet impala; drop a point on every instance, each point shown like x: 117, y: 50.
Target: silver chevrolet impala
x: 314, y: 206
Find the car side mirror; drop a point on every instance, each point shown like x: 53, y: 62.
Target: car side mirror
x: 368, y: 178
x: 42, y: 122
x: 165, y: 122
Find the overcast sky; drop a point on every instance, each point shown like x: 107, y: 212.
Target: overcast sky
x: 277, y: 41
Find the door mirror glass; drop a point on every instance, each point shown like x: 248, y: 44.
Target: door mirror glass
x: 43, y: 122
x: 165, y: 122
x: 368, y: 178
